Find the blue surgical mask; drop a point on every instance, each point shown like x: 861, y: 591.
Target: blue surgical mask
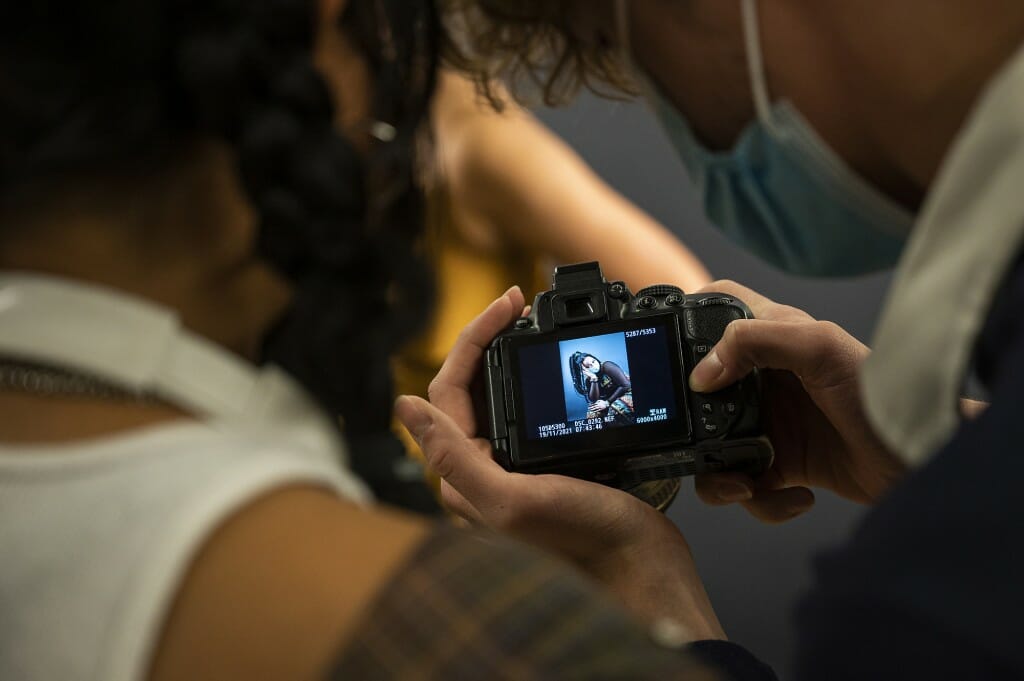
x: 781, y: 192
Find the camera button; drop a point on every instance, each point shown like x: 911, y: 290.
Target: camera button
x: 731, y: 408
x: 710, y: 428
x: 700, y: 352
x: 523, y: 323
x: 707, y: 408
x: 674, y: 299
x: 647, y: 302
x: 659, y: 290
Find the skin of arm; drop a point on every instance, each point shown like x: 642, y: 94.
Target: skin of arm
x: 972, y: 409
x: 267, y: 597
x: 519, y: 184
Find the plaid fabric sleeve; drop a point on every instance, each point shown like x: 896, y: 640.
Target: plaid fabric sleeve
x: 474, y: 606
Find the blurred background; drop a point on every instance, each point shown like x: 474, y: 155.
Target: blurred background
x: 754, y: 573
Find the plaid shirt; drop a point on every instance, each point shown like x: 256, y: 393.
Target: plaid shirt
x: 474, y: 606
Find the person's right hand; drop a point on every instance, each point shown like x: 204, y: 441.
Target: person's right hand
x: 816, y: 421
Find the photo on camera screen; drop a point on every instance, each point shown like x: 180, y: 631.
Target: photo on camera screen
x: 606, y: 381
x: 595, y: 380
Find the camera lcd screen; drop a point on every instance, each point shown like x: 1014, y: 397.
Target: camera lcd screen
x: 620, y: 380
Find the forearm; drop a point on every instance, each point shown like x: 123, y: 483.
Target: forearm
x: 474, y: 627
x: 656, y: 580
x: 554, y: 203
x: 536, y: 191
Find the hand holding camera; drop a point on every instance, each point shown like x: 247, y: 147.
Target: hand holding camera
x: 614, y: 537
x: 817, y: 424
x: 592, y: 384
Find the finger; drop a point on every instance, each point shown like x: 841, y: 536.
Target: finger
x: 447, y: 450
x: 719, y: 489
x: 452, y: 500
x: 761, y: 306
x: 749, y: 296
x: 803, y: 348
x: 780, y: 505
x: 449, y: 390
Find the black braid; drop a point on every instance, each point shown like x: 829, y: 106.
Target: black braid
x: 576, y: 371
x: 342, y: 228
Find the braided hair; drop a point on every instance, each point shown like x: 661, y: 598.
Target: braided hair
x: 579, y: 381
x: 121, y: 85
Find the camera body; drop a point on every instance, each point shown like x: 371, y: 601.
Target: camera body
x: 593, y: 384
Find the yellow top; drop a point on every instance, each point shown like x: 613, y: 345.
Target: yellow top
x: 472, y: 269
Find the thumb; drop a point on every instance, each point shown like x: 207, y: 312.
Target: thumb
x: 804, y: 348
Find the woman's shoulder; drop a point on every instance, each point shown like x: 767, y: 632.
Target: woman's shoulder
x: 295, y: 559
x: 295, y: 568
x: 141, y: 510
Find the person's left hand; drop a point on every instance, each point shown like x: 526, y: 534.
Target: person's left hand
x: 600, y: 405
x: 631, y: 548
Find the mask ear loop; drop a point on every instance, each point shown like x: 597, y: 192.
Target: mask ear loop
x: 755, y: 64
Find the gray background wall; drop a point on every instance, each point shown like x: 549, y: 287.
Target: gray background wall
x: 755, y: 574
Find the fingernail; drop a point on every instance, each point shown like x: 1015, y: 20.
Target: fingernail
x: 508, y: 293
x: 415, y: 419
x: 733, y: 492
x: 706, y: 373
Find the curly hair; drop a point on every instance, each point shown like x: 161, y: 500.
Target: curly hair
x: 90, y: 87
x: 532, y: 46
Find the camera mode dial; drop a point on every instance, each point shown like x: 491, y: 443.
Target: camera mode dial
x: 659, y: 291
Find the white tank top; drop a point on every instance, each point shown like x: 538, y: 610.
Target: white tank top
x: 96, y: 536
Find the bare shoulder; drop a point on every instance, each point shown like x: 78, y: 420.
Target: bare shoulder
x: 280, y: 586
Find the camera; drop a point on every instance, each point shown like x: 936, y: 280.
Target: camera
x: 593, y: 384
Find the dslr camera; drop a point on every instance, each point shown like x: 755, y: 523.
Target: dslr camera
x: 593, y: 384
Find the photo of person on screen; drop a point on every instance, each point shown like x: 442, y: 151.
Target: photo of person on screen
x: 605, y: 386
